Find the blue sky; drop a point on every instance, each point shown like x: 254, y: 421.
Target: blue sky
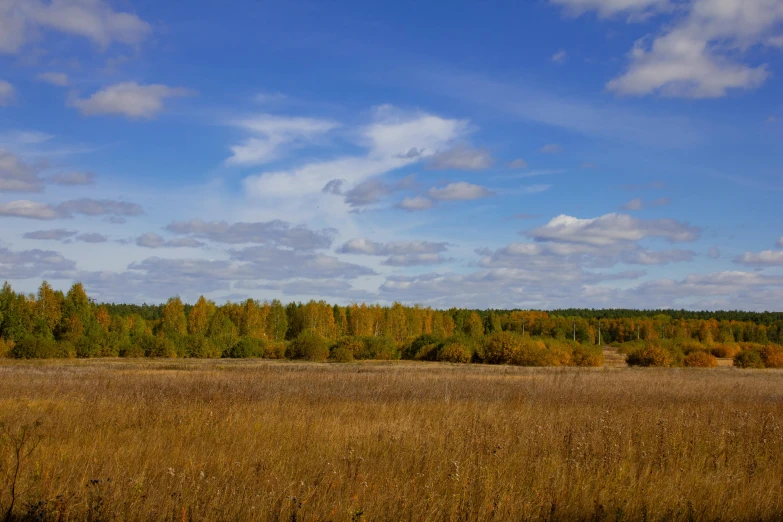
x: 542, y: 154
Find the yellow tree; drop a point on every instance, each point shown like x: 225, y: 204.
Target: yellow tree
x: 173, y: 321
x: 49, y: 306
x: 199, y: 316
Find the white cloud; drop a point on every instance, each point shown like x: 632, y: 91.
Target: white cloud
x: 128, y: 99
x: 611, y: 229
x: 152, y: 240
x: 779, y: 242
x: 698, y: 55
x: 7, y: 93
x: 765, y: 258
x: 57, y: 234
x: 388, y: 139
x: 92, y: 237
x: 17, y: 176
x: 273, y: 135
x: 100, y: 207
x: 31, y: 263
x: 459, y: 191
x: 461, y: 157
x: 413, y: 204
x: 560, y: 56
x: 634, y: 204
x: 400, y: 253
x: 93, y: 19
x: 608, y: 8
x: 54, y: 78
x: 72, y: 178
x: 29, y: 209
x: 551, y: 148
x: 518, y: 163
x: 367, y: 193
x: 271, y: 233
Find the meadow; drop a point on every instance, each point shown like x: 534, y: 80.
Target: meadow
x: 252, y: 439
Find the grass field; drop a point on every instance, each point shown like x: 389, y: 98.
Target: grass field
x: 259, y: 440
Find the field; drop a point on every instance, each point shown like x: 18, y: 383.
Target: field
x: 266, y: 440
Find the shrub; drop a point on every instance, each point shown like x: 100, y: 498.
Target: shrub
x: 423, y: 348
x: 456, y: 351
x: 772, y: 355
x: 501, y: 347
x: 701, y: 359
x: 42, y: 348
x: 6, y: 345
x: 587, y: 355
x: 378, y: 348
x: 725, y: 350
x: 132, y: 349
x: 748, y: 359
x: 246, y: 347
x: 155, y: 346
x: 275, y: 350
x: 309, y: 346
x: 342, y: 353
x: 651, y: 355
x: 202, y: 347
x: 689, y: 345
x: 534, y: 352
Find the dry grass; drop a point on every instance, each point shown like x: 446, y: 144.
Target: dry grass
x: 217, y: 440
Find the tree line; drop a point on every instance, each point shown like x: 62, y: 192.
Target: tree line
x: 51, y: 323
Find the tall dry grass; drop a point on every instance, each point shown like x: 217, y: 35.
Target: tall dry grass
x: 238, y: 440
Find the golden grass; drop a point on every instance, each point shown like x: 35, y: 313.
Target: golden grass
x: 261, y: 440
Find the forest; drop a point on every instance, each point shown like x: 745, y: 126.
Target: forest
x: 54, y: 324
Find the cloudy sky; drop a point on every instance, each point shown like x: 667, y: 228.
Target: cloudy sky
x: 550, y: 153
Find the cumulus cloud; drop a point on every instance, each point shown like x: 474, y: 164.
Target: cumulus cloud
x: 152, y: 240
x: 388, y: 141
x: 29, y: 209
x: 698, y: 55
x: 552, y: 148
x: 461, y: 157
x: 128, y: 99
x: 72, y: 178
x: 90, y: 207
x: 270, y: 263
x: 54, y: 78
x: 400, y: 253
x: 55, y: 234
x: 414, y: 204
x: 20, y: 20
x: 518, y: 163
x: 17, y: 176
x: 31, y: 263
x: 612, y: 228
x: 270, y: 233
x: 459, y: 191
x: 560, y: 56
x: 7, y: 93
x: 609, y: 8
x: 274, y: 135
x: 367, y: 193
x: 765, y: 258
x: 93, y: 237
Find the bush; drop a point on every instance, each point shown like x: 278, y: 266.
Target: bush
x: 132, y: 349
x: 651, y: 355
x: 275, y: 350
x: 701, y: 359
x: 748, y: 359
x: 534, y: 352
x: 378, y: 348
x: 342, y: 354
x: 456, y: 351
x: 587, y: 355
x: 202, y: 347
x: 155, y: 346
x: 6, y: 345
x: 423, y: 348
x: 245, y: 348
x: 42, y: 348
x: 772, y: 355
x: 309, y: 346
x: 725, y: 351
x: 501, y: 347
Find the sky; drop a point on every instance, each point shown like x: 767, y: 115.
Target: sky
x: 483, y: 154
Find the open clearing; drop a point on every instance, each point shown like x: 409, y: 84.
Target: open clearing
x: 264, y: 440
